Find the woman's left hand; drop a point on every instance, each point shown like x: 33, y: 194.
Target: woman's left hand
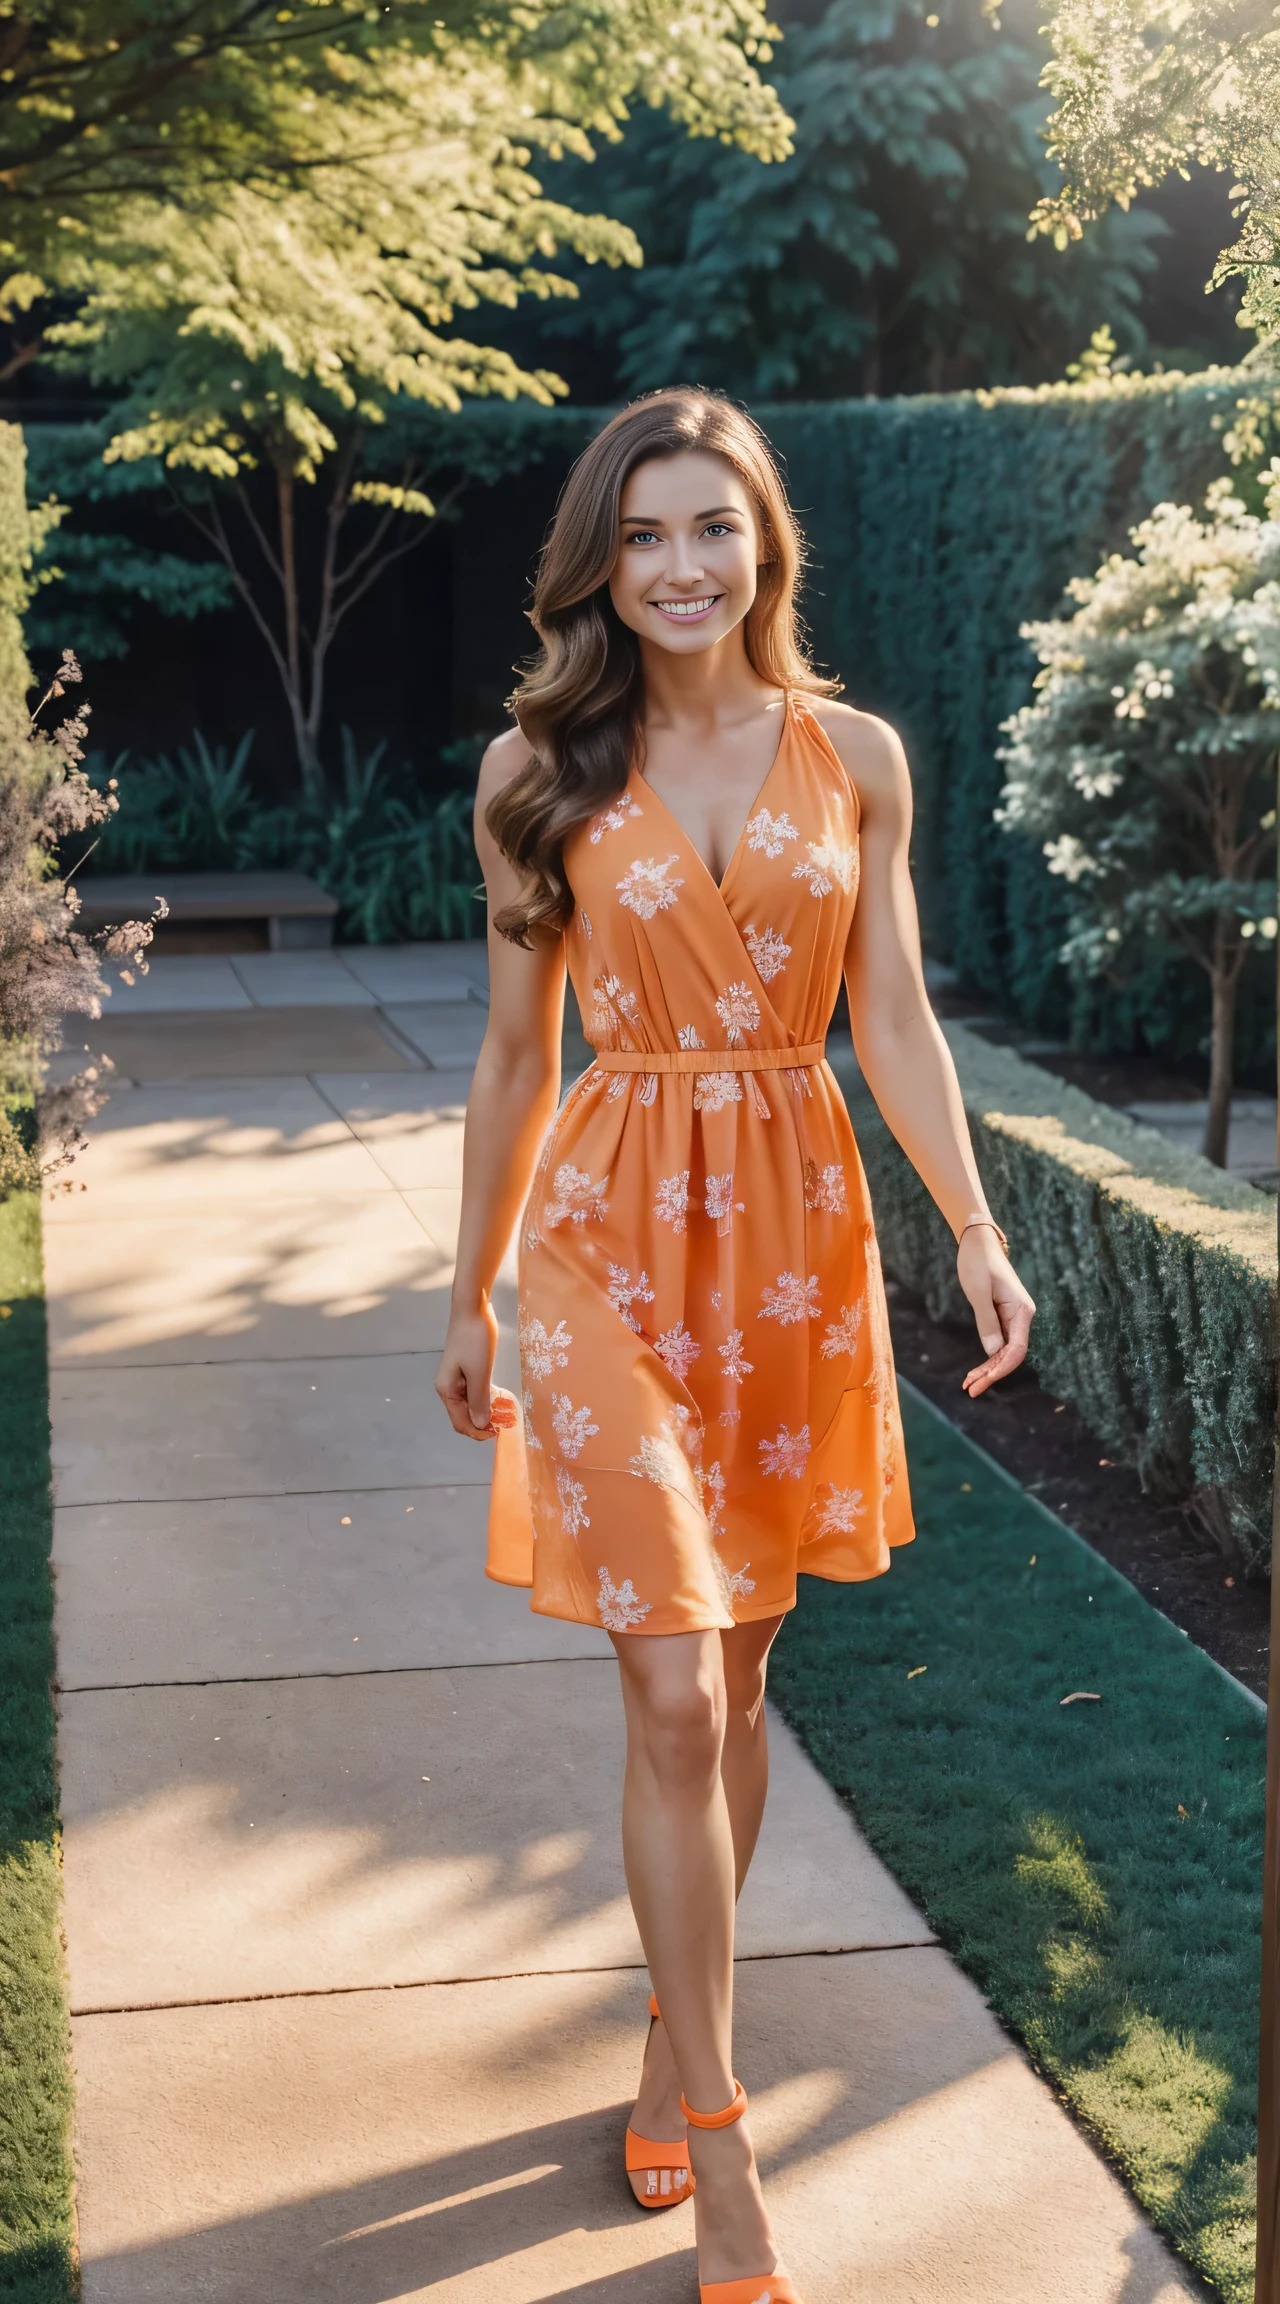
x: 1001, y: 1306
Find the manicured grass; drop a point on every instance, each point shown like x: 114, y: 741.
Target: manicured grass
x: 1096, y: 1867
x: 37, y: 2261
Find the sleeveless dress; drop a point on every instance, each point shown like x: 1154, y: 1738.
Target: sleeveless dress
x: 709, y: 1399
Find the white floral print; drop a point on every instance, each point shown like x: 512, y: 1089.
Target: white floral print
x: 734, y: 1583
x: 677, y: 1348
x: 586, y: 924
x: 646, y: 888
x: 842, y: 1334
x: 839, y: 1512
x: 825, y: 1189
x: 612, y: 1004
x: 690, y: 1037
x: 613, y: 819
x: 624, y: 1292
x: 736, y: 1364
x: 572, y: 1426
x: 720, y: 1203
x: 531, y: 1439
x: 540, y: 1352
x: 713, y: 1090
x: 671, y: 1200
x: 768, y: 952
x: 620, y: 1606
x: 791, y: 1299
x: 739, y: 1011
x: 787, y: 1456
x: 832, y: 864
x: 617, y: 1087
x: 768, y: 834
x: 573, y: 1501
x: 711, y: 1496
x: 662, y: 1460
x: 577, y: 1200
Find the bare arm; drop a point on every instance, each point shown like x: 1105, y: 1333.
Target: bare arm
x: 513, y: 1099
x: 904, y: 1057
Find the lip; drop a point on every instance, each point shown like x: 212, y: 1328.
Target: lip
x: 688, y: 613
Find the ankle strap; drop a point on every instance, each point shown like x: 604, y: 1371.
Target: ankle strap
x: 654, y: 2009
x: 723, y: 2119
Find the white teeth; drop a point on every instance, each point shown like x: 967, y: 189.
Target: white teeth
x: 685, y: 607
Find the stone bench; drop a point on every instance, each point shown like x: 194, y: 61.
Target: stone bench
x: 216, y: 911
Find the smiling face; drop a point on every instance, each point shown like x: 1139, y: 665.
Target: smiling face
x: 689, y: 549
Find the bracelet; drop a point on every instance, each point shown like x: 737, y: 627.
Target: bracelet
x: 1001, y: 1236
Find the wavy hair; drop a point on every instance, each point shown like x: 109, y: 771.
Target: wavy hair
x: 580, y: 703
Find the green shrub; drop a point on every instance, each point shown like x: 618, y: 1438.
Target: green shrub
x: 1154, y: 1274
x: 401, y: 866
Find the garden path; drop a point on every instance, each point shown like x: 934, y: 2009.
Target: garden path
x: 357, y: 2001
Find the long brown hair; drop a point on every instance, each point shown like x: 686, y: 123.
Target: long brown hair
x: 580, y: 703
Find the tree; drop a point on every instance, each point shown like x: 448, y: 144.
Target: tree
x: 277, y: 298
x: 888, y: 253
x: 1147, y: 88
x: 1146, y: 764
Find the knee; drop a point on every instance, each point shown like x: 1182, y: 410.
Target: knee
x: 682, y: 1724
x: 744, y: 1687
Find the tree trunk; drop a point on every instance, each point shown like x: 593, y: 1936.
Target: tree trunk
x: 1223, y: 977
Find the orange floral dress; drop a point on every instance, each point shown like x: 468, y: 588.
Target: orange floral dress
x: 709, y: 1398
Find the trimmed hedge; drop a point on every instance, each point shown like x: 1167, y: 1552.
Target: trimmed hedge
x: 1154, y: 1274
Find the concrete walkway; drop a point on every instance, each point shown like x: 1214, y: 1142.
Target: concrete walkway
x: 358, y: 2003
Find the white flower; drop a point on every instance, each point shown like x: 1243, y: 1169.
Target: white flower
x: 768, y: 952
x: 576, y: 1198
x: 736, y: 1364
x: 573, y: 1427
x: 624, y: 1292
x: 839, y: 1510
x: 663, y: 1461
x: 842, y: 1334
x: 713, y: 1090
x: 676, y: 1346
x: 690, y: 1037
x: 720, y: 1203
x: 531, y: 1439
x: 739, y: 1011
x: 766, y: 833
x: 832, y: 864
x: 824, y: 1188
x: 620, y: 1607
x: 671, y: 1200
x: 1069, y: 857
x: 586, y: 925
x: 611, y: 1003
x: 711, y: 1496
x: 573, y: 1501
x: 792, y: 1299
x: 787, y: 1456
x: 646, y: 888
x: 540, y: 1352
x: 734, y: 1584
x: 613, y: 819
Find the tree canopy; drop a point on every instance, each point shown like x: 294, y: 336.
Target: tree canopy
x: 888, y: 252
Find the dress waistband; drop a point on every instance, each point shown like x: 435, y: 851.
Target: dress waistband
x: 711, y: 1059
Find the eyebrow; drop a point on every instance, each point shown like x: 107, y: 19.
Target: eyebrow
x: 639, y: 520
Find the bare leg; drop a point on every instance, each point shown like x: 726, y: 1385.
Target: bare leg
x: 678, y: 1849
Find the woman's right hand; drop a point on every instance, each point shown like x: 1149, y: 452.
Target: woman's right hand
x: 464, y: 1379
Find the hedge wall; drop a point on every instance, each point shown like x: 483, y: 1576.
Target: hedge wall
x: 1153, y: 1272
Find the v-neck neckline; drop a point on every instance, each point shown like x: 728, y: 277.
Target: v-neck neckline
x: 687, y: 837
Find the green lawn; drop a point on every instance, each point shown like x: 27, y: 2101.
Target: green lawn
x: 37, y: 2260
x: 1096, y: 1867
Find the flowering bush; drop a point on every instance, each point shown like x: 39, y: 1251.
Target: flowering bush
x: 47, y: 969
x: 1146, y: 765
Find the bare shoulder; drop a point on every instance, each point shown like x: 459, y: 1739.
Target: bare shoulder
x: 504, y: 759
x: 869, y: 748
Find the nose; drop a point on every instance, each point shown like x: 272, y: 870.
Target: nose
x: 683, y: 569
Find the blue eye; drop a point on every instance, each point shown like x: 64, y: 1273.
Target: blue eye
x: 643, y: 536
x: 718, y: 528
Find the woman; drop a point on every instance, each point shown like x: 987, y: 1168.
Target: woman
x: 684, y: 818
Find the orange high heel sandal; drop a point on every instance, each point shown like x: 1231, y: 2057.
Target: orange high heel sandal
x: 764, y: 2287
x: 664, y: 2164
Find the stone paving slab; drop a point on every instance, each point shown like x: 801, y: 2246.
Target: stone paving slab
x: 408, y: 972
x: 251, y: 1043
x: 301, y: 980
x: 256, y: 1587
x: 448, y: 1033
x: 209, y: 1145
x: 462, y: 2145
x: 356, y: 1273
x: 411, y: 1124
x: 395, y: 1828
x: 180, y: 981
x: 251, y: 1428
